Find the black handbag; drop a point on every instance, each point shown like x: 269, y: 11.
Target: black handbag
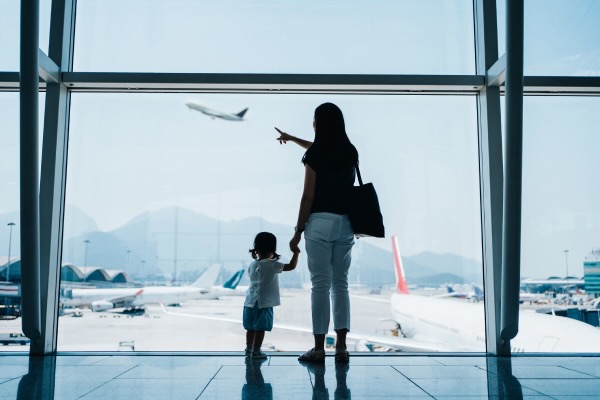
x: 365, y: 214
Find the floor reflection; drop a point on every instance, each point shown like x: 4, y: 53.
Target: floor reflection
x: 280, y: 377
x: 502, y: 384
x: 320, y: 390
x: 341, y: 391
x: 255, y: 387
x: 38, y: 383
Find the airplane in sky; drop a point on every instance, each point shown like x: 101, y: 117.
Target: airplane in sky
x: 107, y: 299
x: 192, y: 105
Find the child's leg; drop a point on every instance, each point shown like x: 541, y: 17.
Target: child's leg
x: 249, y: 340
x: 259, y: 336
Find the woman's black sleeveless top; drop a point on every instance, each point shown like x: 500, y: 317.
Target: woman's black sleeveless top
x: 333, y: 186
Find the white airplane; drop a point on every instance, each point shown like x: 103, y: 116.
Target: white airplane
x: 476, y: 294
x: 526, y: 297
x: 107, y: 299
x: 473, y: 294
x: 192, y: 105
x: 555, y: 282
x: 231, y: 288
x: 460, y: 326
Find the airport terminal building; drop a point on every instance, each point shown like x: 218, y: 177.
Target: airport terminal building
x: 591, y: 268
x: 143, y: 149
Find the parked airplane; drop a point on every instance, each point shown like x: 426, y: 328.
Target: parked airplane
x: 231, y: 288
x: 461, y: 325
x: 107, y: 299
x: 192, y: 105
x: 533, y: 297
x: 475, y: 294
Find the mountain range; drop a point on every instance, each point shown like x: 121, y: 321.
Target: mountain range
x: 155, y: 243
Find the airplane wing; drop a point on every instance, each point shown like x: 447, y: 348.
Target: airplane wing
x: 392, y: 342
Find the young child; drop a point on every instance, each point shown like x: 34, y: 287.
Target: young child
x: 263, y: 292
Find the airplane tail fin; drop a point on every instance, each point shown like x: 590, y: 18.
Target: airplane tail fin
x: 234, y: 280
x: 401, y: 285
x: 450, y: 289
x: 478, y: 291
x: 241, y: 113
x: 208, y: 277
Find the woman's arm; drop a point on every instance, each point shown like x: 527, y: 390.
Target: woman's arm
x: 284, y: 137
x: 308, y: 196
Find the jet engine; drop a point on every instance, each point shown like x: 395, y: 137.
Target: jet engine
x: 102, y: 305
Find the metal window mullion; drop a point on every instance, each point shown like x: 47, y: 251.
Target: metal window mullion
x: 54, y: 166
x: 511, y: 241
x: 490, y: 169
x: 29, y: 171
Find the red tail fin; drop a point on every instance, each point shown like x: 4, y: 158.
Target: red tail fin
x: 401, y: 285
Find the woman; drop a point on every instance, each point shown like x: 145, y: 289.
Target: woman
x: 330, y: 164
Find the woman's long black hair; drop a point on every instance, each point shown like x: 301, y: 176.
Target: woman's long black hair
x: 331, y: 145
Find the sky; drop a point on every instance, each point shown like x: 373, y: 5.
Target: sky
x: 129, y: 153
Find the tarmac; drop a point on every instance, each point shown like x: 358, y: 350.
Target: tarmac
x: 188, y: 331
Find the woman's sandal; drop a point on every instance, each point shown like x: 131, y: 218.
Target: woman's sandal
x: 342, y: 356
x: 313, y: 356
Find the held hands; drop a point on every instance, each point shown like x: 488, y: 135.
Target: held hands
x: 283, y: 137
x: 294, y: 243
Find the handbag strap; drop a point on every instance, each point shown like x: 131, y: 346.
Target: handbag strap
x: 358, y: 173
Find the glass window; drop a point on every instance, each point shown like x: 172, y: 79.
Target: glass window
x: 9, y: 35
x: 163, y: 192
x: 560, y: 224
x: 381, y: 37
x: 562, y: 37
x: 501, y: 20
x: 10, y: 17
x: 10, y: 226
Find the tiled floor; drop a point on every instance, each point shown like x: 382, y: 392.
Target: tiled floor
x: 283, y: 377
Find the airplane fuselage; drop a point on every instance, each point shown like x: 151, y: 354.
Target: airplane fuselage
x: 213, y: 113
x: 460, y: 325
x: 149, y: 295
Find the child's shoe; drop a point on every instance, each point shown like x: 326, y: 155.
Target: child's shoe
x: 248, y: 352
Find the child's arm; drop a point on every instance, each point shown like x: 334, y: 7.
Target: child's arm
x: 293, y: 262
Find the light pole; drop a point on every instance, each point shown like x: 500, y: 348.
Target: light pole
x: 128, y: 260
x: 87, y: 242
x: 10, y: 224
x: 567, y: 265
x: 142, y: 266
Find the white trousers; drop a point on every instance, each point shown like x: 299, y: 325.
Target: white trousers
x: 329, y: 239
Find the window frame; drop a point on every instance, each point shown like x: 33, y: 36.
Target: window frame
x: 488, y: 85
